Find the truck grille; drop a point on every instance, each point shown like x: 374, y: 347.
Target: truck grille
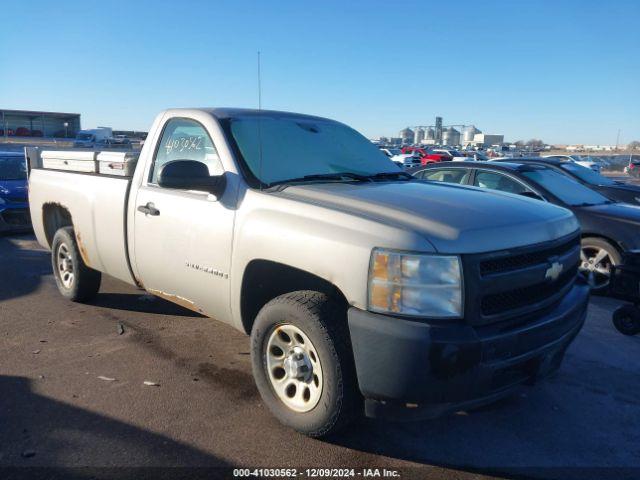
x: 514, y: 262
x: 521, y: 297
x: 513, y: 284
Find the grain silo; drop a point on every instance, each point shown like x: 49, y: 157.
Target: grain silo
x: 469, y: 133
x: 418, y: 135
x: 406, y: 135
x: 431, y: 134
x: 451, y: 137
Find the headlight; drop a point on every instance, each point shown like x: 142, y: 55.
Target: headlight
x: 422, y: 285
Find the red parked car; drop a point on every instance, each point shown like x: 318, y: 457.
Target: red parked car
x: 634, y: 168
x: 427, y: 157
x: 23, y: 132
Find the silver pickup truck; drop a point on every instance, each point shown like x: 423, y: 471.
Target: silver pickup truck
x: 363, y: 288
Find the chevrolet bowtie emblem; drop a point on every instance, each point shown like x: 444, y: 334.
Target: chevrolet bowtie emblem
x: 554, y: 271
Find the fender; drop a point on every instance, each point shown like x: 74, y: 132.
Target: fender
x: 333, y: 245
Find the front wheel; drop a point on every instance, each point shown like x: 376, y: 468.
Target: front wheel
x: 75, y: 280
x: 303, y: 363
x: 597, y: 259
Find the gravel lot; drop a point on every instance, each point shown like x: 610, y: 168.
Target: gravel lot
x: 57, y: 411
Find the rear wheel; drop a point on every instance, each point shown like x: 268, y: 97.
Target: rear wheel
x: 597, y: 259
x: 75, y: 280
x: 303, y: 364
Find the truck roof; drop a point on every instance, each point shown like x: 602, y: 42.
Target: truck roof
x: 223, y: 113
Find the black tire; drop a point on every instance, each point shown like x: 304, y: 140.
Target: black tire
x: 324, y: 322
x: 85, y: 282
x: 626, y: 319
x: 590, y: 244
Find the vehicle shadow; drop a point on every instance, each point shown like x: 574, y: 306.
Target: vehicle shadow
x: 579, y: 424
x: 142, y: 303
x: 22, y: 268
x: 46, y: 438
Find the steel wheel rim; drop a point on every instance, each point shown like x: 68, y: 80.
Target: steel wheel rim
x: 595, y: 265
x: 64, y: 261
x: 294, y: 368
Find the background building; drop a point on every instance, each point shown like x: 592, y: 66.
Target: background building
x: 486, y: 140
x: 452, y: 135
x: 26, y: 123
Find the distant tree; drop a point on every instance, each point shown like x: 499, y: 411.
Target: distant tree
x: 534, y: 142
x: 635, y: 145
x: 519, y: 143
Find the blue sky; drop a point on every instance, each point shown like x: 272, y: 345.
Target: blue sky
x: 564, y: 70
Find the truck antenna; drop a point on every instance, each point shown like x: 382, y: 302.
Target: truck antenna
x: 259, y: 84
x: 259, y: 123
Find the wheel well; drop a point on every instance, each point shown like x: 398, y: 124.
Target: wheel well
x: 263, y: 280
x: 615, y: 244
x: 54, y: 217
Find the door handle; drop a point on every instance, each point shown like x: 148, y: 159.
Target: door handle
x: 149, y: 209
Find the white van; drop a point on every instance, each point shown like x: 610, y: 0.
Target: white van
x: 89, y: 138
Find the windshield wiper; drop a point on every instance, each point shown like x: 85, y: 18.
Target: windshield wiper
x: 343, y: 176
x: 349, y: 176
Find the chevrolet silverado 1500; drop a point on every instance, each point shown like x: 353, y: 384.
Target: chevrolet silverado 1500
x: 363, y: 289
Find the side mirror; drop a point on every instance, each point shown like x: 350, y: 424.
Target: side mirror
x: 191, y: 175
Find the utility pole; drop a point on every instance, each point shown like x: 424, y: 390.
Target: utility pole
x: 617, y: 140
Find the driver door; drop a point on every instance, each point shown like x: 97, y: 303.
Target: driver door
x: 183, y: 237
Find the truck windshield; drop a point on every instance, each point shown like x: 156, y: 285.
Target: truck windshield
x: 13, y: 168
x: 586, y: 174
x: 277, y: 149
x: 568, y: 191
x: 84, y: 136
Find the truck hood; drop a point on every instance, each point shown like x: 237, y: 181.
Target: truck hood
x: 454, y: 219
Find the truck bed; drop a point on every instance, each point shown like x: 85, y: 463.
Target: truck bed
x: 97, y: 204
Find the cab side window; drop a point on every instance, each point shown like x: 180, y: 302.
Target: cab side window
x: 184, y: 139
x: 452, y: 175
x: 498, y: 181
